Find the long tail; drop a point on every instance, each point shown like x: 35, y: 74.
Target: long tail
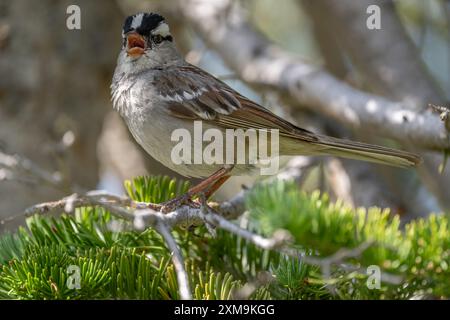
x: 367, y: 152
x: 325, y: 145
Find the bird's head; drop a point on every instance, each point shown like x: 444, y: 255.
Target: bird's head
x: 147, y: 41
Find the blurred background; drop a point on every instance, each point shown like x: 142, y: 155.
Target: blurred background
x: 55, y: 106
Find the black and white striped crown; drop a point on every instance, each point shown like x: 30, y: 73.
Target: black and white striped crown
x: 143, y: 23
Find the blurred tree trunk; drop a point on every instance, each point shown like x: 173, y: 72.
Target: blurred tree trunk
x: 59, y: 88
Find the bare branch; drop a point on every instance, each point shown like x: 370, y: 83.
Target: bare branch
x: 177, y: 259
x: 340, y: 255
x: 142, y: 216
x: 23, y: 168
x: 280, y: 242
x: 118, y: 206
x: 279, y: 239
x: 444, y: 112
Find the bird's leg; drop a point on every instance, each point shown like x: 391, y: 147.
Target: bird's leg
x: 215, y: 186
x: 208, y: 186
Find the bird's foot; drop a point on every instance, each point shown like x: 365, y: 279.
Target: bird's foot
x: 185, y: 199
x: 173, y: 204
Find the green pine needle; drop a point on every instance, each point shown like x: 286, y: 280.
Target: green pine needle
x: 116, y: 262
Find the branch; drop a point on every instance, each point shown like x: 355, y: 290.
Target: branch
x: 177, y: 259
x: 118, y: 206
x: 125, y: 208
x: 296, y: 170
x: 280, y: 242
x: 444, y: 112
x: 224, y: 27
x: 142, y: 216
x: 20, y: 168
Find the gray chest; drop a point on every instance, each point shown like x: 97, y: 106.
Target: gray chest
x: 145, y: 113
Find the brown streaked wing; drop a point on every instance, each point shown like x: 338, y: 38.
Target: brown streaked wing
x: 213, y: 100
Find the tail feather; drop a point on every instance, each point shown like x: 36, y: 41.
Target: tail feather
x: 367, y: 152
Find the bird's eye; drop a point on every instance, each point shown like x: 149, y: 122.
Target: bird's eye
x: 157, y: 39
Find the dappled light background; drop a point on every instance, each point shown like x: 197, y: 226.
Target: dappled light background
x: 55, y: 104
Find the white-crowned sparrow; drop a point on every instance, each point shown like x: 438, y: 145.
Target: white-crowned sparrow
x: 156, y: 91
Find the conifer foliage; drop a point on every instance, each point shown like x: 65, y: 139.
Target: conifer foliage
x: 114, y: 261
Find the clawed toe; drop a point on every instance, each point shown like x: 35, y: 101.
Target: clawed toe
x: 173, y: 204
x: 169, y: 205
x: 177, y: 202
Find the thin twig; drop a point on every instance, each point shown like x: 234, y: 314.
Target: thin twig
x: 340, y: 255
x: 23, y: 166
x: 115, y: 204
x: 279, y: 242
x: 279, y: 239
x: 177, y: 259
x: 444, y: 112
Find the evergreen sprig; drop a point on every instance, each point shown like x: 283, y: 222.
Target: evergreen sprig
x: 117, y: 262
x: 420, y: 253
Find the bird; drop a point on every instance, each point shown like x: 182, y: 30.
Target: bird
x: 156, y: 91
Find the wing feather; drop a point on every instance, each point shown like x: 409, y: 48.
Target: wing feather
x: 207, y: 98
x: 193, y: 94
